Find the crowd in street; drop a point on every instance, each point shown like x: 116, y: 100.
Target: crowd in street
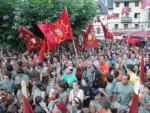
x: 100, y: 80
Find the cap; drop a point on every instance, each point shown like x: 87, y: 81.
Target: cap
x: 62, y: 106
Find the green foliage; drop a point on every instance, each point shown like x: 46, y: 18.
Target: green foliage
x: 29, y: 12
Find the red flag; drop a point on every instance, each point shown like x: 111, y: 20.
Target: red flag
x: 57, y: 31
x: 130, y: 40
x: 31, y: 40
x: 43, y: 49
x: 26, y: 106
x: 142, y: 69
x: 124, y: 11
x: 145, y: 4
x: 89, y: 38
x: 135, y: 104
x: 107, y: 34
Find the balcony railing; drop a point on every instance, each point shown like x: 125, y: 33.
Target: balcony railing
x: 126, y: 19
x: 128, y: 30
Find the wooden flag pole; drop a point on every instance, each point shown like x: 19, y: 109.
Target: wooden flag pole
x: 75, y: 48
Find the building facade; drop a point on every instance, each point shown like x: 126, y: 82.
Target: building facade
x: 134, y: 19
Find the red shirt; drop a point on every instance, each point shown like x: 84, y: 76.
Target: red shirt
x: 104, y: 68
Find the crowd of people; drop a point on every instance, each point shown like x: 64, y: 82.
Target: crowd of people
x: 99, y: 80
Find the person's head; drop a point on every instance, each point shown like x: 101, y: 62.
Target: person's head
x: 12, y: 99
x: 136, y: 67
x: 59, y: 107
x: 125, y: 57
x: 110, y: 78
x: 53, y: 93
x: 7, y: 75
x: 63, y: 85
x: 88, y: 64
x: 147, y: 87
x: 114, y: 56
x: 119, y: 60
x: 117, y: 66
x: 20, y: 71
x: 45, y: 64
x: 52, y: 82
x: 76, y: 85
x: 69, y: 70
x: 92, y: 57
x: 125, y: 79
x: 102, y: 60
x: 132, y: 56
x: 9, y: 67
x: 40, y: 63
x: 85, y: 81
x: 105, y: 103
x: 38, y: 100
x: 77, y: 103
x: 43, y: 94
x: 130, y: 68
x: 20, y: 63
x: 117, y: 75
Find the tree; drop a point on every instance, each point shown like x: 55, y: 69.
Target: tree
x: 29, y: 12
x: 6, y: 21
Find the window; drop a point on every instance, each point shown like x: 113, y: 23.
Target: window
x: 98, y: 29
x: 137, y: 3
x: 126, y: 4
x: 136, y: 25
x: 117, y: 4
x: 137, y: 15
x: 129, y: 9
x: 116, y: 16
x: 116, y: 26
x: 125, y: 26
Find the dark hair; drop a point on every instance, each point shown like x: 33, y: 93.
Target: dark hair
x: 40, y: 86
x: 106, y: 103
x: 63, y: 84
x: 38, y: 99
x: 147, y: 84
x: 78, y: 101
x: 130, y: 67
x: 20, y: 63
x: 77, y: 82
x: 20, y: 70
x: 9, y: 67
x: 40, y: 63
x: 86, y: 79
x: 110, y: 78
x: 128, y: 76
x: 116, y: 73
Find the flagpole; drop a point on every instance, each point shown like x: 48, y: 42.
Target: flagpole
x: 75, y: 48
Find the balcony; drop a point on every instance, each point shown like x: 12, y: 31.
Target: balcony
x: 126, y: 19
x: 128, y: 30
x: 126, y: 0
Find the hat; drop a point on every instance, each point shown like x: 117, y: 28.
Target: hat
x: 62, y: 106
